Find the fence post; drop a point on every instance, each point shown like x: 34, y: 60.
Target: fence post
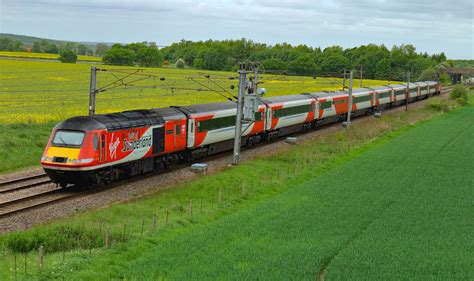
x: 41, y: 257
x: 220, y: 198
x: 14, y: 264
x: 106, y: 239
x: 154, y: 221
x: 191, y: 208
x: 26, y: 262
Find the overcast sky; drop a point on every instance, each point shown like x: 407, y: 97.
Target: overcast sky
x: 432, y: 26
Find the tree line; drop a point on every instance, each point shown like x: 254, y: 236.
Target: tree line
x: 46, y: 46
x: 376, y: 61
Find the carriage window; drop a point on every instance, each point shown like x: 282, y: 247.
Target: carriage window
x: 96, y: 141
x: 362, y: 98
x: 216, y: 123
x: 325, y: 105
x: 384, y: 95
x: 68, y: 138
x: 178, y: 129
x: 294, y: 110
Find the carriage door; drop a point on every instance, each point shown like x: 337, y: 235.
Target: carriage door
x: 269, y: 116
x: 158, y: 140
x: 191, y: 125
x: 102, y: 147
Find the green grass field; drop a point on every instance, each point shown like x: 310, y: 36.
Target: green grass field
x: 401, y: 210
x: 378, y: 201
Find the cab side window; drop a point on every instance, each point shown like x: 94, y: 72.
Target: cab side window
x: 96, y: 141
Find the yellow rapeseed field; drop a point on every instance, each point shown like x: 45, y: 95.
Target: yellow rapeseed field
x: 42, y: 91
x: 44, y: 56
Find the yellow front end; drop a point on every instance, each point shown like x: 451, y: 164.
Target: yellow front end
x: 54, y: 155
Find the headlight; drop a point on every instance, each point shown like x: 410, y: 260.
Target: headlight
x: 46, y: 159
x: 81, y: 161
x: 85, y: 160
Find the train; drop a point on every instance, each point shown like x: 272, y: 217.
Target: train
x: 94, y: 150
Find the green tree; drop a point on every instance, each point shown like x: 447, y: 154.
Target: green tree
x: 82, y: 49
x: 101, y: 49
x: 13, y: 45
x: 67, y: 56
x: 274, y: 64
x: 147, y: 56
x: 119, y: 56
x: 303, y: 65
x: 36, y: 47
x: 334, y: 64
x: 383, y: 69
x: 51, y: 48
x: 212, y: 58
x: 429, y: 74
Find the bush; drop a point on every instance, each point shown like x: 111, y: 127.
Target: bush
x: 459, y: 91
x: 434, y: 104
x: 461, y: 101
x: 67, y: 56
x: 445, y: 79
x: 437, y: 104
x: 180, y: 63
x: 59, y: 238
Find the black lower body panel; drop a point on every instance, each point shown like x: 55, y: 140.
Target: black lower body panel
x: 78, y: 178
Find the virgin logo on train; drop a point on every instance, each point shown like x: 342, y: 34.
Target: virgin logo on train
x: 113, y: 147
x: 143, y: 142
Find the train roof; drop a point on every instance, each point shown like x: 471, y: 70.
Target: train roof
x: 279, y: 99
x: 381, y: 88
x: 81, y: 123
x: 129, y: 119
x: 121, y: 120
x: 318, y: 95
x: 397, y: 86
x: 207, y: 107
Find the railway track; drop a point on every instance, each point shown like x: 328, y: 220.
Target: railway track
x: 23, y: 183
x: 36, y: 200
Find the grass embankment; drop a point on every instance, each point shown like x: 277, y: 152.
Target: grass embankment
x: 304, y: 210
x: 400, y: 210
x: 45, y: 56
x: 22, y: 145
